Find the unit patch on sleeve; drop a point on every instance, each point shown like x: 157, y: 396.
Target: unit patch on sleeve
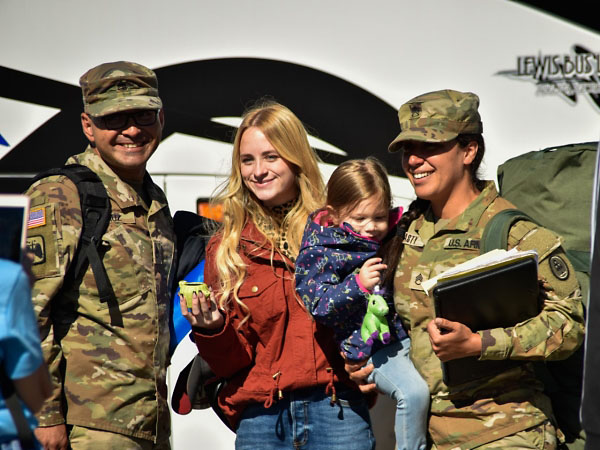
x: 559, y: 267
x: 35, y: 244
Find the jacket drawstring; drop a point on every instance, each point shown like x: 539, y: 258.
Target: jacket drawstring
x: 274, y: 391
x: 330, y: 389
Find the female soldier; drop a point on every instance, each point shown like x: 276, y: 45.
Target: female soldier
x: 442, y: 148
x: 286, y: 384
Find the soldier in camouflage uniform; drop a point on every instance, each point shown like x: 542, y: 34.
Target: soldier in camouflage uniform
x: 442, y: 147
x: 109, y: 381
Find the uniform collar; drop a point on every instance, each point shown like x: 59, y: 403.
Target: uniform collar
x: 470, y: 217
x: 118, y: 190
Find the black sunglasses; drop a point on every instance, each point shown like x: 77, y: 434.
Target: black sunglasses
x: 142, y: 118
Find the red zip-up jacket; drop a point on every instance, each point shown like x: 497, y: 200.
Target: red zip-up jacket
x: 280, y: 348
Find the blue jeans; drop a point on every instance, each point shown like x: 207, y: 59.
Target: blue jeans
x: 306, y: 419
x: 396, y: 376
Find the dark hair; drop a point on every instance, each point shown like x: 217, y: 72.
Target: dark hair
x: 391, y: 249
x: 463, y: 140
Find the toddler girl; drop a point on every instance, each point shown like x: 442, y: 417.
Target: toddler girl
x: 346, y: 248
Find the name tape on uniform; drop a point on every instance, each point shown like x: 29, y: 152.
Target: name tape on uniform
x: 462, y: 243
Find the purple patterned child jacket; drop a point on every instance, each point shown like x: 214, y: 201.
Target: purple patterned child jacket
x: 327, y: 282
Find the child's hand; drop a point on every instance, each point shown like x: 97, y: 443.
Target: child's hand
x: 369, y: 274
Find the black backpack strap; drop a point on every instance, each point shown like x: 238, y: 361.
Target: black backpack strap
x: 95, y: 213
x: 11, y: 400
x: 495, y: 233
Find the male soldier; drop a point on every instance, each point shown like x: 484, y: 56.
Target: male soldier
x: 109, y: 376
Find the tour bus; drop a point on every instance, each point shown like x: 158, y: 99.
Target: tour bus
x: 344, y: 67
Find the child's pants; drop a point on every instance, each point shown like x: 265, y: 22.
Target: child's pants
x: 396, y: 376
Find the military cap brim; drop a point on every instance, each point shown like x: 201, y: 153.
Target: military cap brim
x: 111, y: 106
x: 421, y: 135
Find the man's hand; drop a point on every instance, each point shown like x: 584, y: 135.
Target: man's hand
x: 453, y: 340
x: 27, y: 262
x: 370, y: 273
x: 359, y: 372
x: 53, y: 438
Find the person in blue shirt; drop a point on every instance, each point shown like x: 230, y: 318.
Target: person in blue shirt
x: 20, y: 352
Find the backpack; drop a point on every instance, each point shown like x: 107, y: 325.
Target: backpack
x: 197, y: 387
x: 95, y: 215
x: 553, y: 188
x: 192, y: 234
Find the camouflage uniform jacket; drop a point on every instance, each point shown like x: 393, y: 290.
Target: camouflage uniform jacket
x: 113, y: 378
x: 485, y: 410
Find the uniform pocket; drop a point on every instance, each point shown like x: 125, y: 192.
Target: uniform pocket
x: 127, y: 257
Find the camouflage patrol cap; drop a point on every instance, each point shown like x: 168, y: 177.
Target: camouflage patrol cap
x: 438, y: 116
x: 119, y: 86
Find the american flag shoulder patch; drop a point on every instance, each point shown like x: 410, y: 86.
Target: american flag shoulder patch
x: 37, y: 218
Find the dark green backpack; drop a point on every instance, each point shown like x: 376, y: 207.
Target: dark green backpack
x: 554, y: 188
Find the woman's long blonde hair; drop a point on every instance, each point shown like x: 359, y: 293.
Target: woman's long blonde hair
x: 287, y: 135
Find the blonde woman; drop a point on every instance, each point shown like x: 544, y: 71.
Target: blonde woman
x: 286, y: 387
